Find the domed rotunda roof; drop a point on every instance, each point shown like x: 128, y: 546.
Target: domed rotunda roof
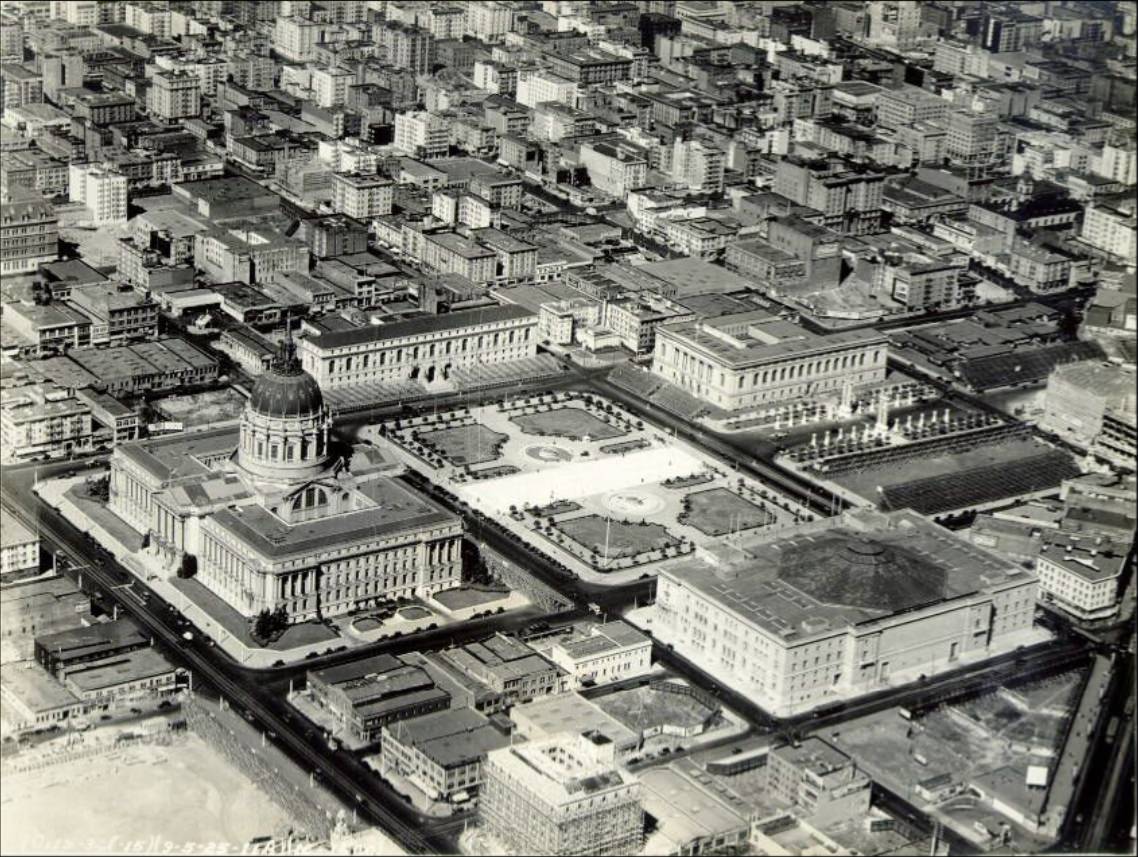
x: 285, y: 390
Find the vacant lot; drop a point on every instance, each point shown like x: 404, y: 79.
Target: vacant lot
x: 720, y: 511
x: 592, y: 532
x: 571, y: 423
x: 212, y: 406
x: 143, y: 800
x: 643, y: 708
x: 473, y: 444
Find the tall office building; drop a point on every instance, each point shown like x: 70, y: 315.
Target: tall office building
x: 563, y: 795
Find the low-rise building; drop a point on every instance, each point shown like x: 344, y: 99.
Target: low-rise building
x: 34, y: 607
x: 550, y: 716
x: 19, y: 548
x: 121, y: 678
x: 65, y: 651
x: 441, y: 753
x: 507, y: 669
x: 1080, y: 581
x: 117, y: 316
x: 822, y: 783
x: 691, y: 818
x: 41, y: 329
x: 34, y: 700
x: 597, y: 654
x: 42, y: 420
x: 365, y: 696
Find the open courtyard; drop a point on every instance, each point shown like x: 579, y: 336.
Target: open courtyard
x: 608, y: 510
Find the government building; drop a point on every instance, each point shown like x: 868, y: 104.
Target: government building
x: 751, y: 359
x: 278, y: 512
x: 841, y: 607
x: 420, y: 349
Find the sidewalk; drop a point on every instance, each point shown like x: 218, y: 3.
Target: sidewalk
x: 148, y: 568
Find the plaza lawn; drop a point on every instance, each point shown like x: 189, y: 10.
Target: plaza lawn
x: 466, y: 596
x: 719, y: 510
x: 624, y: 539
x: 471, y: 444
x: 571, y: 423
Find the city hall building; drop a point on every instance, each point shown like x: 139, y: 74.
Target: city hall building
x: 751, y: 359
x: 279, y: 513
x: 421, y: 349
x: 841, y: 607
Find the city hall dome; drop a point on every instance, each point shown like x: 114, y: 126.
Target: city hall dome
x: 286, y: 390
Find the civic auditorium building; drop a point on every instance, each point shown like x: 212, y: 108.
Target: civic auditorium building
x: 750, y: 359
x: 420, y: 349
x: 838, y: 607
x: 278, y: 513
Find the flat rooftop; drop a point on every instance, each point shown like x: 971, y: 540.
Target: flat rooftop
x: 13, y: 532
x: 178, y: 457
x: 35, y: 688
x: 114, y: 671
x: 395, y: 509
x: 756, y: 337
x: 859, y: 568
x: 686, y: 809
x: 571, y: 712
x: 78, y: 642
x: 420, y: 326
x: 695, y: 277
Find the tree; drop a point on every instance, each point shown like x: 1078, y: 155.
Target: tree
x: 278, y: 621
x: 263, y: 625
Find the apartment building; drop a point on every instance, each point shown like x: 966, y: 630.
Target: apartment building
x: 295, y: 38
x: 1109, y: 226
x: 849, y: 198
x: 450, y: 253
x: 43, y: 420
x: 101, y: 189
x: 29, y: 231
x: 899, y: 108
x: 422, y: 134
x: 174, y: 95
x: 406, y: 47
x: 330, y: 86
x: 362, y: 197
x: 536, y: 86
x: 20, y: 86
x: 19, y: 548
x: 614, y: 168
x: 698, y: 166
